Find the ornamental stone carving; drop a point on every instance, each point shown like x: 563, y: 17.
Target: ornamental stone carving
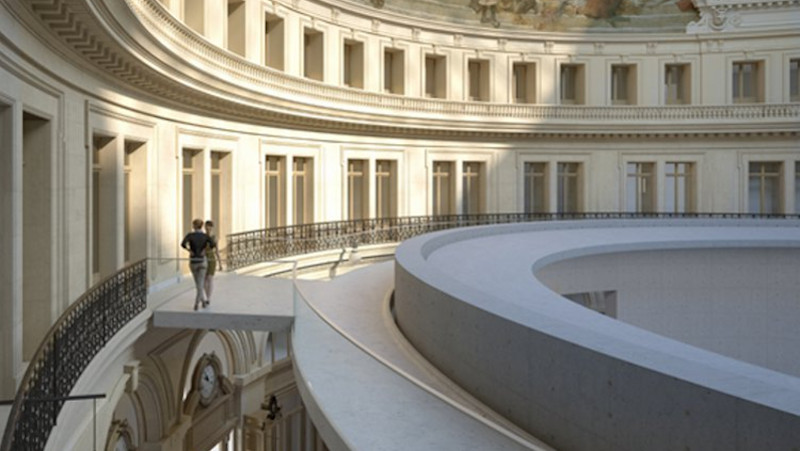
x: 714, y: 18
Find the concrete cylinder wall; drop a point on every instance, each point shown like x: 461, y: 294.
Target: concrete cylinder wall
x: 581, y: 387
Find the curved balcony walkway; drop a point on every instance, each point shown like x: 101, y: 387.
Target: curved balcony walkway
x: 357, y: 394
x: 372, y: 390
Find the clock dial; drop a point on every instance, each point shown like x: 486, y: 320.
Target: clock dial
x: 208, y: 383
x: 121, y: 445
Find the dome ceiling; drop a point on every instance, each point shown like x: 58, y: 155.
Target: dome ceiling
x: 552, y: 15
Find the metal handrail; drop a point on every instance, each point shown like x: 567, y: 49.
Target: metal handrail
x: 91, y: 321
x: 264, y: 245
x: 67, y: 349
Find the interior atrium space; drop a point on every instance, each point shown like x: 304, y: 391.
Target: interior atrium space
x: 310, y: 225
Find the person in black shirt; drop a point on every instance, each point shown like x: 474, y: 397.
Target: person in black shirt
x: 196, y: 242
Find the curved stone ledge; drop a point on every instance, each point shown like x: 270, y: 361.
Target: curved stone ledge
x: 469, y: 302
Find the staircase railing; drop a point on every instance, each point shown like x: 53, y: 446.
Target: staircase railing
x: 70, y: 345
x: 259, y: 246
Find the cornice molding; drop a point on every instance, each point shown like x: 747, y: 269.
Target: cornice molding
x: 140, y: 47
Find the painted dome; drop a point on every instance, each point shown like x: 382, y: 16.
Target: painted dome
x: 552, y: 15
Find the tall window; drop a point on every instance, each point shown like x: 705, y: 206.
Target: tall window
x: 478, y: 80
x: 236, y: 27
x: 679, y: 187
x: 435, y: 76
x: 97, y: 146
x: 622, y: 79
x: 302, y: 180
x: 394, y: 71
x: 385, y: 189
x: 442, y: 202
x: 640, y: 188
x: 747, y: 82
x: 192, y: 187
x: 676, y: 84
x: 471, y: 188
x: 763, y: 187
x: 357, y: 189
x: 135, y: 209
x: 568, y: 195
x: 535, y: 198
x: 524, y: 82
x: 353, y: 66
x: 313, y: 54
x: 571, y: 84
x: 797, y: 187
x: 273, y: 42
x: 194, y: 15
x: 126, y: 169
x: 794, y: 80
x: 275, y: 197
x: 220, y: 191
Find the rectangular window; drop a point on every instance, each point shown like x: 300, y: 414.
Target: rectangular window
x: 568, y: 195
x: 357, y: 189
x: 435, y: 76
x: 97, y: 146
x: 797, y: 188
x: 472, y: 188
x: 747, y: 82
x: 385, y: 189
x: 353, y: 65
x: 302, y: 180
x: 135, y: 200
x: 192, y: 187
x: 194, y: 15
x: 236, y: 27
x: 219, y: 189
x: 764, y: 187
x: 676, y: 84
x: 313, y: 54
x: 442, y: 189
x: 126, y: 211
x: 274, y: 186
x: 678, y: 187
x: 524, y: 82
x: 794, y: 80
x: 273, y: 42
x: 535, y: 197
x: 571, y: 84
x: 394, y: 71
x: 640, y: 188
x: 478, y: 79
x: 623, y: 85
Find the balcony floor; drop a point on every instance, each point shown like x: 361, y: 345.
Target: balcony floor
x: 239, y: 302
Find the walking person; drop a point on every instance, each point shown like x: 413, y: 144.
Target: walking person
x: 196, y: 242
x: 213, y: 258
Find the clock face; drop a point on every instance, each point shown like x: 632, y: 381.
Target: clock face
x: 208, y: 383
x: 122, y: 444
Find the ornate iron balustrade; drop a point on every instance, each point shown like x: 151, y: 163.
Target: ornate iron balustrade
x: 70, y: 345
x: 259, y: 246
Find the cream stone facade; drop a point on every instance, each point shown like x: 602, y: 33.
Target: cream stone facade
x: 122, y: 120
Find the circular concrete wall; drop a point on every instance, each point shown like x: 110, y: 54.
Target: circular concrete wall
x: 467, y: 299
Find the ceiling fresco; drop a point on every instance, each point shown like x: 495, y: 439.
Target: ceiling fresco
x: 553, y: 15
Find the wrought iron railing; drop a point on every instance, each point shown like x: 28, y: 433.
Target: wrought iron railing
x: 258, y: 246
x: 70, y: 345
